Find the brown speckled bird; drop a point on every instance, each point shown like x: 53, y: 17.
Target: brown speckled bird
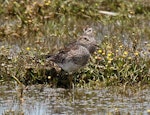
x: 76, y: 54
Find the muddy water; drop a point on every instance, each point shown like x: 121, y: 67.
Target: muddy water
x: 43, y: 100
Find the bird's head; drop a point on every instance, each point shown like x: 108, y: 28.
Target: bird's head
x: 88, y: 31
x: 88, y: 42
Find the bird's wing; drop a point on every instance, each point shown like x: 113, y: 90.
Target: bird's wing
x: 79, y: 55
x: 62, y: 54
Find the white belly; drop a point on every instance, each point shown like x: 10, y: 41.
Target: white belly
x: 69, y: 67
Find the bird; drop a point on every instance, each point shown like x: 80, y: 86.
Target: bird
x: 76, y: 54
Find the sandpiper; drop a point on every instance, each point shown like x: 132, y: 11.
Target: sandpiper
x: 76, y: 54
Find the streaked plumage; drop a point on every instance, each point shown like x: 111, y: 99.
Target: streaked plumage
x: 76, y: 54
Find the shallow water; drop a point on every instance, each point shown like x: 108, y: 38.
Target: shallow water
x: 43, y: 100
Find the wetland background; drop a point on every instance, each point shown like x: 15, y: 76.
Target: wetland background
x: 32, y: 28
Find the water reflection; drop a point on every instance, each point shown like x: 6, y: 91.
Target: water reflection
x: 43, y: 100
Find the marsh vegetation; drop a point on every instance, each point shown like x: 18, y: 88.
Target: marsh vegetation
x: 33, y: 28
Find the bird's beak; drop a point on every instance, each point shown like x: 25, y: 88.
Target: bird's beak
x: 96, y: 45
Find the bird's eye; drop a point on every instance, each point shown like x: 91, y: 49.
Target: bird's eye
x: 89, y: 30
x: 86, y: 38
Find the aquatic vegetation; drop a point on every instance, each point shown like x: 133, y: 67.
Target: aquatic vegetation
x: 120, y: 65
x: 32, y: 28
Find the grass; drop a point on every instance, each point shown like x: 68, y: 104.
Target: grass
x: 32, y: 28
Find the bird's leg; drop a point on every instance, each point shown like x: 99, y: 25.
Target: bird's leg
x: 71, y: 81
x: 71, y: 87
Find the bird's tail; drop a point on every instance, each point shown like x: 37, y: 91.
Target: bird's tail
x: 46, y: 57
x: 49, y: 57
